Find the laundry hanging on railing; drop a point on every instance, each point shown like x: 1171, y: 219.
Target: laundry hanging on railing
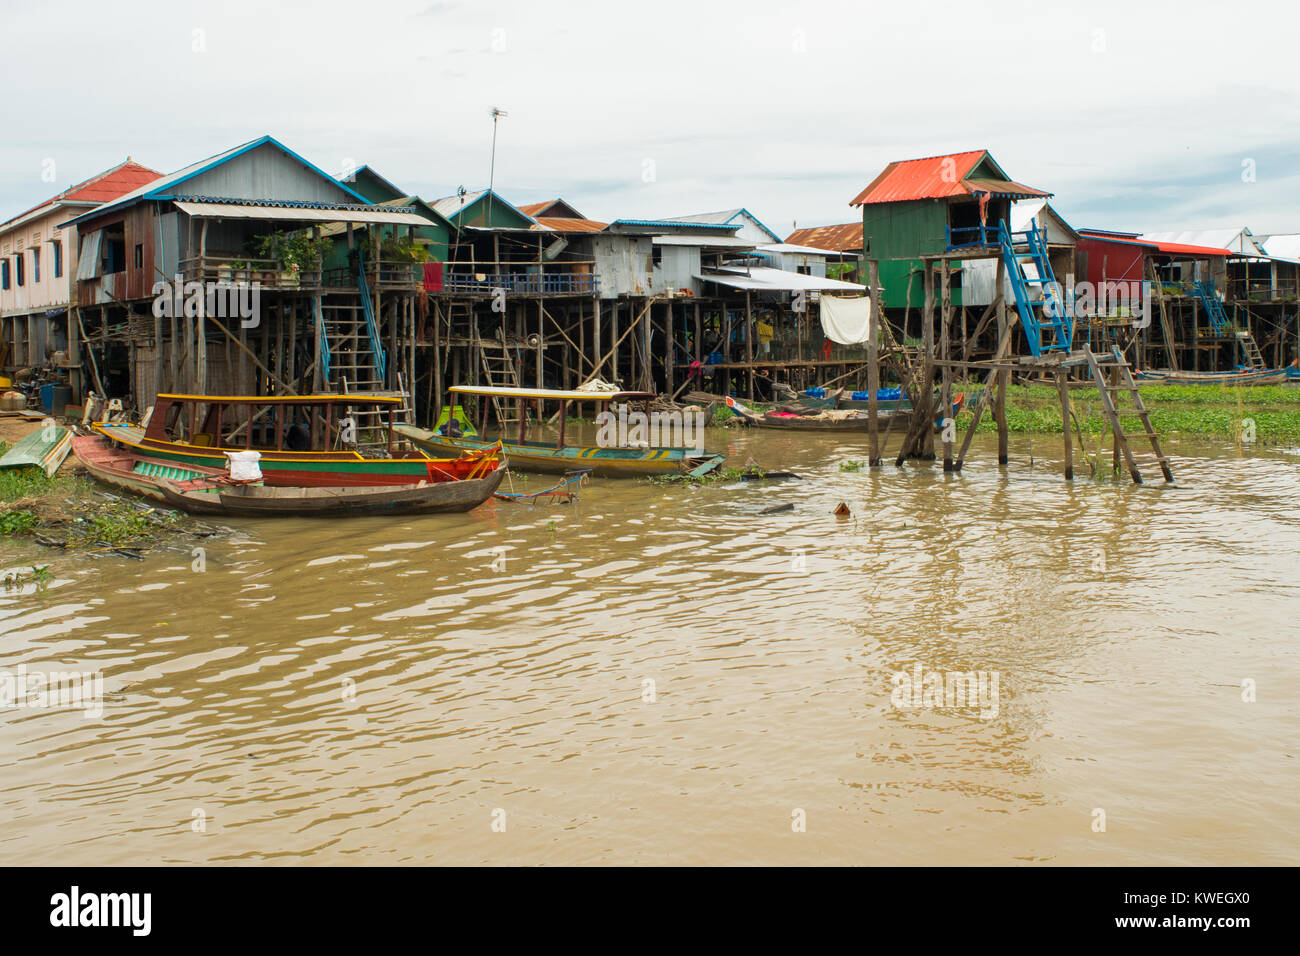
x: 433, y: 277
x: 845, y: 318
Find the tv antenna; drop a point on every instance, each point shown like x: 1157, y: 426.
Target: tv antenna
x: 496, y: 113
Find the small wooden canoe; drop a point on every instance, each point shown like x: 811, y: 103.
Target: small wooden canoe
x: 1264, y: 376
x: 44, y: 448
x: 260, y: 501
x: 834, y: 421
x: 557, y: 460
x: 209, y: 491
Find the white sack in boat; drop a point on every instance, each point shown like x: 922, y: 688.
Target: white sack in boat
x: 844, y: 319
x: 243, y: 465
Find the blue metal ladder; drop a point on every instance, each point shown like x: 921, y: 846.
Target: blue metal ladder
x: 1213, y: 307
x: 372, y: 326
x: 1055, y: 331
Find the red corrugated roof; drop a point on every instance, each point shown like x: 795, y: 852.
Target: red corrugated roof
x: 557, y: 224
x: 1168, y: 248
x: 108, y: 185
x: 839, y: 238
x: 935, y: 177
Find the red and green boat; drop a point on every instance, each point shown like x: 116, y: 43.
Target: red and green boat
x: 303, y: 440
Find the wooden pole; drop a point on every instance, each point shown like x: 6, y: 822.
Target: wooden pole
x: 946, y: 320
x: 749, y: 341
x: 874, y: 317
x: 1000, y: 401
x: 1064, y: 391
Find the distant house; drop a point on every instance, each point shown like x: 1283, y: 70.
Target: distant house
x: 748, y: 226
x: 210, y: 222
x: 844, y: 239
x: 435, y: 237
x: 551, y: 209
x: 35, y: 276
x: 923, y: 207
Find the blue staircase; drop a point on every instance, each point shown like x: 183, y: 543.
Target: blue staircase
x: 1213, y: 307
x: 1030, y: 271
x: 372, y: 326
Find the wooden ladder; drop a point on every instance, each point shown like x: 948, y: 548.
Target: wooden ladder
x: 1249, y: 348
x: 1107, y: 391
x: 499, y: 371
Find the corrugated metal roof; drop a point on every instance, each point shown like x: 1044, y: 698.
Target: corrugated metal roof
x: 557, y: 224
x: 161, y: 187
x: 704, y: 242
x: 537, y: 209
x: 1283, y: 246
x: 1240, y: 240
x: 937, y: 177
x: 796, y: 249
x: 1002, y: 187
x: 110, y: 184
x: 762, y: 279
x: 1168, y: 248
x: 845, y: 237
x: 678, y: 223
x: 726, y: 217
x: 452, y: 206
x: 299, y: 212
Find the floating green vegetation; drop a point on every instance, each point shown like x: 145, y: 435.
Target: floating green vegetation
x: 852, y: 465
x: 70, y: 512
x: 40, y: 576
x: 718, y: 475
x: 1264, y: 414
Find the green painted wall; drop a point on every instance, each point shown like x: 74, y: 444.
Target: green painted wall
x: 896, y: 233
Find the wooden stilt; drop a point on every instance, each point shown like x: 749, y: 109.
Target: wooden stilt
x: 946, y: 399
x: 1064, y: 391
x: 875, y: 316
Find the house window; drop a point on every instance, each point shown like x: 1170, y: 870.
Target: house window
x: 57, y: 245
x: 4, y: 274
x: 113, y: 248
x: 19, y: 268
x: 36, y: 264
x: 139, y: 255
x: 656, y: 256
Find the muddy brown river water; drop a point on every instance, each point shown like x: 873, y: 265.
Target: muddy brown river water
x: 660, y: 674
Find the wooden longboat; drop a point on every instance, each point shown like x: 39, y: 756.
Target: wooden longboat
x: 854, y: 421
x: 1265, y: 376
x: 273, y: 425
x: 207, y: 491
x: 559, y: 457
x: 887, y: 399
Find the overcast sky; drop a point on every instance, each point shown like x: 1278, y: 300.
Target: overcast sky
x: 1138, y: 115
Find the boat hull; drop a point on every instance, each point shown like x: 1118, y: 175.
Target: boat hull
x: 206, y: 491
x: 858, y: 422
x: 310, y: 470
x: 1170, y: 377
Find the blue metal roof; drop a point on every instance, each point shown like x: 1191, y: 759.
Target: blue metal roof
x: 674, y: 223
x: 162, y: 188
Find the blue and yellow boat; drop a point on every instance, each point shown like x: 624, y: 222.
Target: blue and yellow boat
x: 559, y: 457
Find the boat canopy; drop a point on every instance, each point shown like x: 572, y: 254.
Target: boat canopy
x: 553, y: 394
x: 287, y: 399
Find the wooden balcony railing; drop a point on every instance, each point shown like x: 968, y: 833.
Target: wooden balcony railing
x: 267, y: 273
x: 565, y: 277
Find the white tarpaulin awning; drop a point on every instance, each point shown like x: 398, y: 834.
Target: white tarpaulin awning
x: 222, y: 210
x: 763, y: 279
x: 845, y: 319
